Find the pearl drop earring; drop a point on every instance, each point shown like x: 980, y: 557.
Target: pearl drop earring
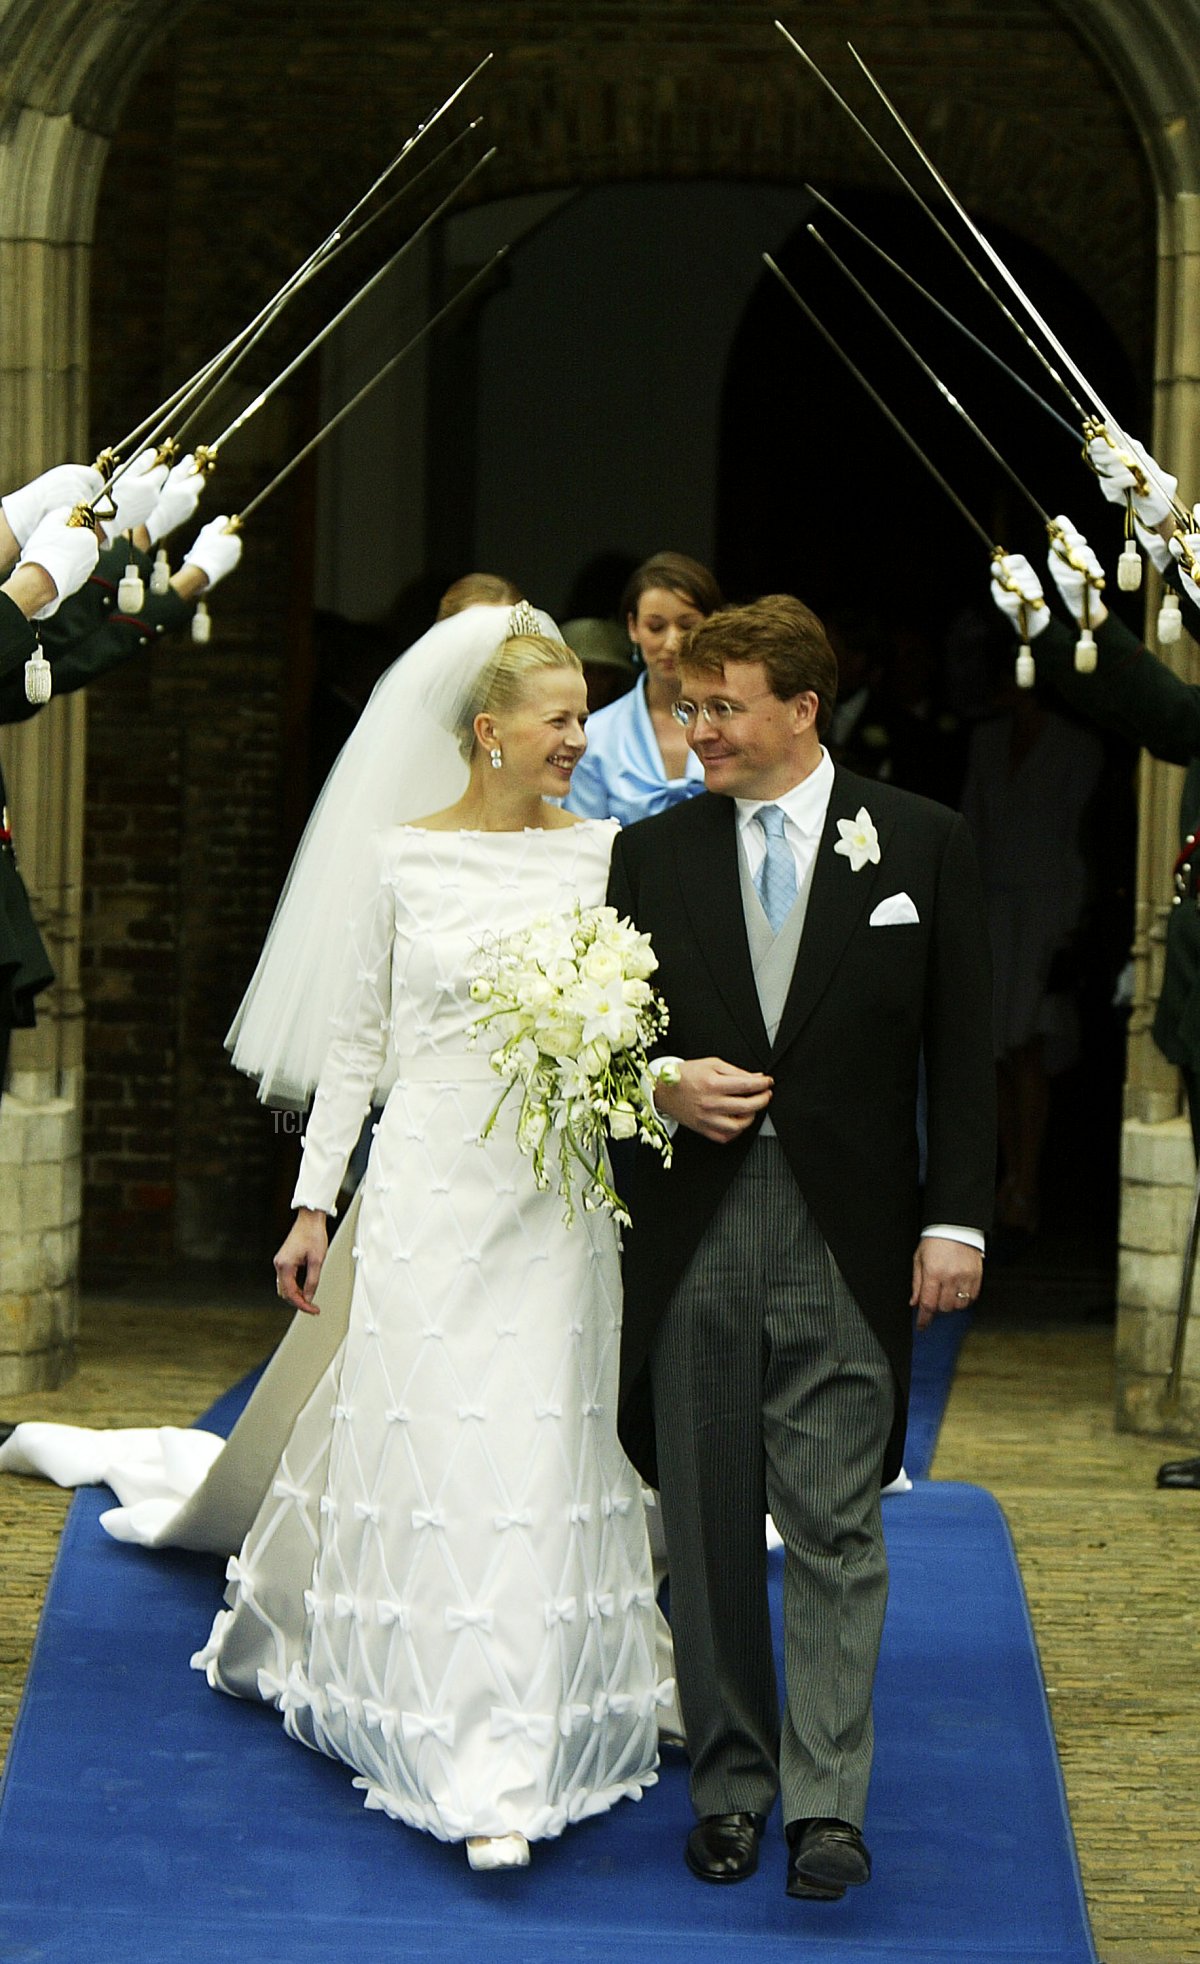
x: 497, y: 760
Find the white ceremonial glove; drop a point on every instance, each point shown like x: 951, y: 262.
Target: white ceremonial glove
x: 135, y: 494
x: 178, y: 501
x: 1071, y: 580
x: 1113, y: 468
x: 1187, y: 542
x: 1013, y: 582
x: 1155, y: 547
x: 216, y: 551
x: 66, y: 484
x: 67, y: 552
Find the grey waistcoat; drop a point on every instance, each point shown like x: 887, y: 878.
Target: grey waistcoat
x: 772, y: 956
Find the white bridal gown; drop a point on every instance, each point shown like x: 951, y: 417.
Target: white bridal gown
x: 448, y: 1584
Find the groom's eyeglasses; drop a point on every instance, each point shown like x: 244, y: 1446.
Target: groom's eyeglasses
x: 715, y: 711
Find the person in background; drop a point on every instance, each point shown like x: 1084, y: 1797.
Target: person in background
x: 477, y: 590
x: 1031, y: 778
x: 1138, y: 697
x: 603, y: 648
x: 638, y: 761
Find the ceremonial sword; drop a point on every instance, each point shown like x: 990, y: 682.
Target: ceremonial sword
x: 1085, y: 647
x: 963, y: 329
x: 942, y: 388
x: 997, y: 553
x: 328, y: 255
x: 1180, y: 512
x: 301, y: 273
x: 206, y: 454
x: 1038, y: 353
x: 239, y: 518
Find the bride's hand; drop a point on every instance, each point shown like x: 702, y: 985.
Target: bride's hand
x: 299, y: 1262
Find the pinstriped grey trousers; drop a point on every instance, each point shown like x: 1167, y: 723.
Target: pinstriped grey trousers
x: 770, y: 1388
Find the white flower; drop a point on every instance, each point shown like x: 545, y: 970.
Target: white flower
x: 666, y: 1071
x: 596, y: 1056
x: 569, y: 1016
x: 601, y: 965
x: 859, y: 841
x: 559, y: 1035
x: 623, y: 1120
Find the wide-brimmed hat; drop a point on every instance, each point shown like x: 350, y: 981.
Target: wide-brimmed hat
x: 599, y: 643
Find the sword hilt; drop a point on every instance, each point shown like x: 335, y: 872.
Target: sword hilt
x: 206, y: 458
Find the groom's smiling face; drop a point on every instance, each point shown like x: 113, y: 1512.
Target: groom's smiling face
x: 752, y: 744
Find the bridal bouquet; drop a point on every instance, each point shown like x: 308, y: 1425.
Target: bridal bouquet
x: 568, y: 1006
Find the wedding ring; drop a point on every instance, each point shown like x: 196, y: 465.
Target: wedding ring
x: 964, y: 1295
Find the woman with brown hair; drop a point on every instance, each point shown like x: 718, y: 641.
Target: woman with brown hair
x: 637, y: 760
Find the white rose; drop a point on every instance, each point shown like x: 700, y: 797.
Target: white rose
x: 559, y: 1036
x: 622, y: 1120
x: 601, y: 965
x: 596, y: 1056
x: 481, y: 989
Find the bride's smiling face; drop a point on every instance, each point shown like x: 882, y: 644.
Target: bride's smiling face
x: 541, y: 736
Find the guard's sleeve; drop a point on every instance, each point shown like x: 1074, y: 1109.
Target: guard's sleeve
x: 1130, y: 692
x: 17, y: 643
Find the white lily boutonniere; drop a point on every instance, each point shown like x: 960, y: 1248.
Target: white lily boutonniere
x: 859, y: 840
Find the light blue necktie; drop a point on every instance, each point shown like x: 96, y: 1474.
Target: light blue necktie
x: 776, y: 880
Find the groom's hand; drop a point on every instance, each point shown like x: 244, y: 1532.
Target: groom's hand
x: 947, y: 1275
x: 714, y: 1099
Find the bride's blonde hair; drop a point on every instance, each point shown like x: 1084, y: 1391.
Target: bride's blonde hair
x: 502, y: 681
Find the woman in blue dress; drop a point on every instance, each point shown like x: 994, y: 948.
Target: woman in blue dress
x: 637, y: 760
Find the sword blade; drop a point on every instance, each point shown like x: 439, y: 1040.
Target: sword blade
x: 348, y: 408
x: 881, y: 405
x: 943, y: 389
x: 1014, y: 284
x: 302, y: 271
x: 343, y: 240
x: 252, y: 408
x: 1038, y: 353
x: 961, y: 326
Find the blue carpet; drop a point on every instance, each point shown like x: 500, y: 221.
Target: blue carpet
x: 144, y: 1818
x: 935, y: 1354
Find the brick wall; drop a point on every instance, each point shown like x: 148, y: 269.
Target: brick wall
x: 248, y: 134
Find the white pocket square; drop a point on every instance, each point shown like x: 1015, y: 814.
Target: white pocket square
x: 896, y: 911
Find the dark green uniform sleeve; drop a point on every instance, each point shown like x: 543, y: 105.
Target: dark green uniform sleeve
x: 105, y: 638
x: 1131, y: 692
x: 90, y: 605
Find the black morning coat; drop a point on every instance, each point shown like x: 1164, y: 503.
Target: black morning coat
x: 863, y: 1002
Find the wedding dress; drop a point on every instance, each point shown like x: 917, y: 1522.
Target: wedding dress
x: 448, y: 1585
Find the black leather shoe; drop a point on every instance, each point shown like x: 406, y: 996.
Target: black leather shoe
x: 724, y: 1847
x: 6, y: 1431
x: 825, y: 1858
x: 1179, y: 1473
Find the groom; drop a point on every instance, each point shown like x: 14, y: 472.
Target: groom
x: 816, y: 933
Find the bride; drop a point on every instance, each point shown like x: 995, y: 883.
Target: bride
x: 447, y: 1585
